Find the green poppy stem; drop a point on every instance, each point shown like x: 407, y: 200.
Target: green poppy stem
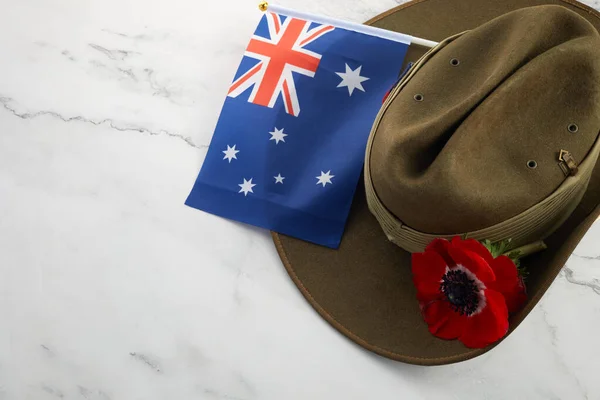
x: 528, y: 249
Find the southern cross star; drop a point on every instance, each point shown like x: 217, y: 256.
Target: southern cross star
x: 352, y: 79
x: 325, y: 178
x: 278, y: 136
x: 246, y: 187
x: 230, y: 153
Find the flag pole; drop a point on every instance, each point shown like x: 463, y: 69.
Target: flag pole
x: 371, y: 30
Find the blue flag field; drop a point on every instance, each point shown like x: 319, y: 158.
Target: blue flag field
x: 288, y: 148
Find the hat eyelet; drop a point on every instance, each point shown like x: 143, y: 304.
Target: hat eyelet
x: 573, y: 128
x: 532, y: 164
x: 454, y: 62
x: 418, y: 97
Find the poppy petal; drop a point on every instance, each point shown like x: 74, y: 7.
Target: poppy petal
x: 504, y: 268
x: 474, y: 263
x: 441, y: 246
x: 489, y: 325
x: 509, y: 283
x: 474, y: 246
x: 506, y: 274
x: 443, y: 322
x: 428, y: 291
x: 453, y: 327
x: 434, y: 313
x: 428, y: 267
x: 516, y: 297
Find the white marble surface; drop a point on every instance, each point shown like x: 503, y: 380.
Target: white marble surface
x: 110, y: 288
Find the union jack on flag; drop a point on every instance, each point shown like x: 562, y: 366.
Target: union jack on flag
x: 272, y: 166
x: 282, y: 53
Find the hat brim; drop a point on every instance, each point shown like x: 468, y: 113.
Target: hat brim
x: 364, y: 288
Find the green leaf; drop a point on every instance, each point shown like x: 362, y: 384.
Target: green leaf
x: 522, y: 271
x: 487, y: 244
x: 497, y: 248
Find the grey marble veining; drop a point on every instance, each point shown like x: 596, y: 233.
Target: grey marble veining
x: 112, y: 289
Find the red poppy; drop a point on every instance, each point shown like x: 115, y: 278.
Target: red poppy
x: 464, y: 292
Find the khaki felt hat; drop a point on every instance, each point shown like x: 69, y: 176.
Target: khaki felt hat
x: 494, y: 134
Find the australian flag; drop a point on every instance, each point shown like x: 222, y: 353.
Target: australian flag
x: 288, y: 148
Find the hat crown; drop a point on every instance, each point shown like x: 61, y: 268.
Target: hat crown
x: 474, y: 136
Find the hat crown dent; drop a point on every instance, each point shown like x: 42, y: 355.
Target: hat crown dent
x: 496, y: 101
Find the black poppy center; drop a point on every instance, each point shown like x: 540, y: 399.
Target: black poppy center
x: 461, y: 291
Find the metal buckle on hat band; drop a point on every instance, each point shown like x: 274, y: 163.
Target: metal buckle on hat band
x: 567, y: 163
